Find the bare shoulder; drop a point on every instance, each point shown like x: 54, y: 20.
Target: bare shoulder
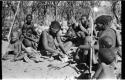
x: 44, y: 33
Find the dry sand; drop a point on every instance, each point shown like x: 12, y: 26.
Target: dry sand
x: 41, y: 70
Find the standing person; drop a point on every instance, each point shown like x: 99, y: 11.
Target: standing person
x: 51, y: 43
x: 29, y: 33
x: 107, y: 39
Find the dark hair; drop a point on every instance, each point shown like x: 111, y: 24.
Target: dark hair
x: 28, y: 16
x: 14, y: 32
x: 85, y: 15
x: 103, y: 19
x: 55, y: 25
x: 106, y: 55
x: 107, y: 41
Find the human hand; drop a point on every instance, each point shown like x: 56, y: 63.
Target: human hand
x: 76, y: 24
x: 78, y: 49
x: 55, y: 53
x: 73, y: 49
x: 89, y: 31
x: 76, y: 57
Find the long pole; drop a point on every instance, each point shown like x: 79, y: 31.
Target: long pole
x: 13, y: 22
x: 91, y: 49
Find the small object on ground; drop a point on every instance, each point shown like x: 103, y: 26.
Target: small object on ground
x: 50, y: 59
x: 65, y: 59
x: 28, y: 60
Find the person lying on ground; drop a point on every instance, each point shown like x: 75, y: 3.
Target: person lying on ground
x: 51, y: 42
x: 30, y: 35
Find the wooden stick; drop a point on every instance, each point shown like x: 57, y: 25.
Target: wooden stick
x: 13, y: 22
x: 91, y: 50
x: 12, y: 26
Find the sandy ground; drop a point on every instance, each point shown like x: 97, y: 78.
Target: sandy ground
x: 41, y: 70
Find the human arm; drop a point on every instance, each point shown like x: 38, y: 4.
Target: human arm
x: 34, y: 29
x: 61, y: 44
x: 88, y: 46
x: 98, y: 71
x: 90, y: 25
x: 96, y: 47
x: 24, y: 32
x: 118, y: 37
x: 83, y: 29
x: 45, y: 43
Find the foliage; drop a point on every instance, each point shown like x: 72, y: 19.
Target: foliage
x: 45, y: 11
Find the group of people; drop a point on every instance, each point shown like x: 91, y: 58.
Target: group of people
x: 103, y: 40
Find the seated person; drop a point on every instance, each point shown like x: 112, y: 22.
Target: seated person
x: 84, y: 29
x: 16, y: 50
x: 30, y: 35
x: 50, y: 42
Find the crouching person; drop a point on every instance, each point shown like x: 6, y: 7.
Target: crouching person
x: 51, y: 42
x: 15, y: 49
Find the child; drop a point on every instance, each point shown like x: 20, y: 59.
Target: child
x: 106, y: 67
x: 15, y: 47
x: 16, y: 50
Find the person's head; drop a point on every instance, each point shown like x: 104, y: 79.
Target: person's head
x: 29, y: 18
x: 103, y: 22
x: 55, y: 27
x: 84, y: 19
x: 106, y: 55
x: 14, y: 36
x: 107, y: 41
